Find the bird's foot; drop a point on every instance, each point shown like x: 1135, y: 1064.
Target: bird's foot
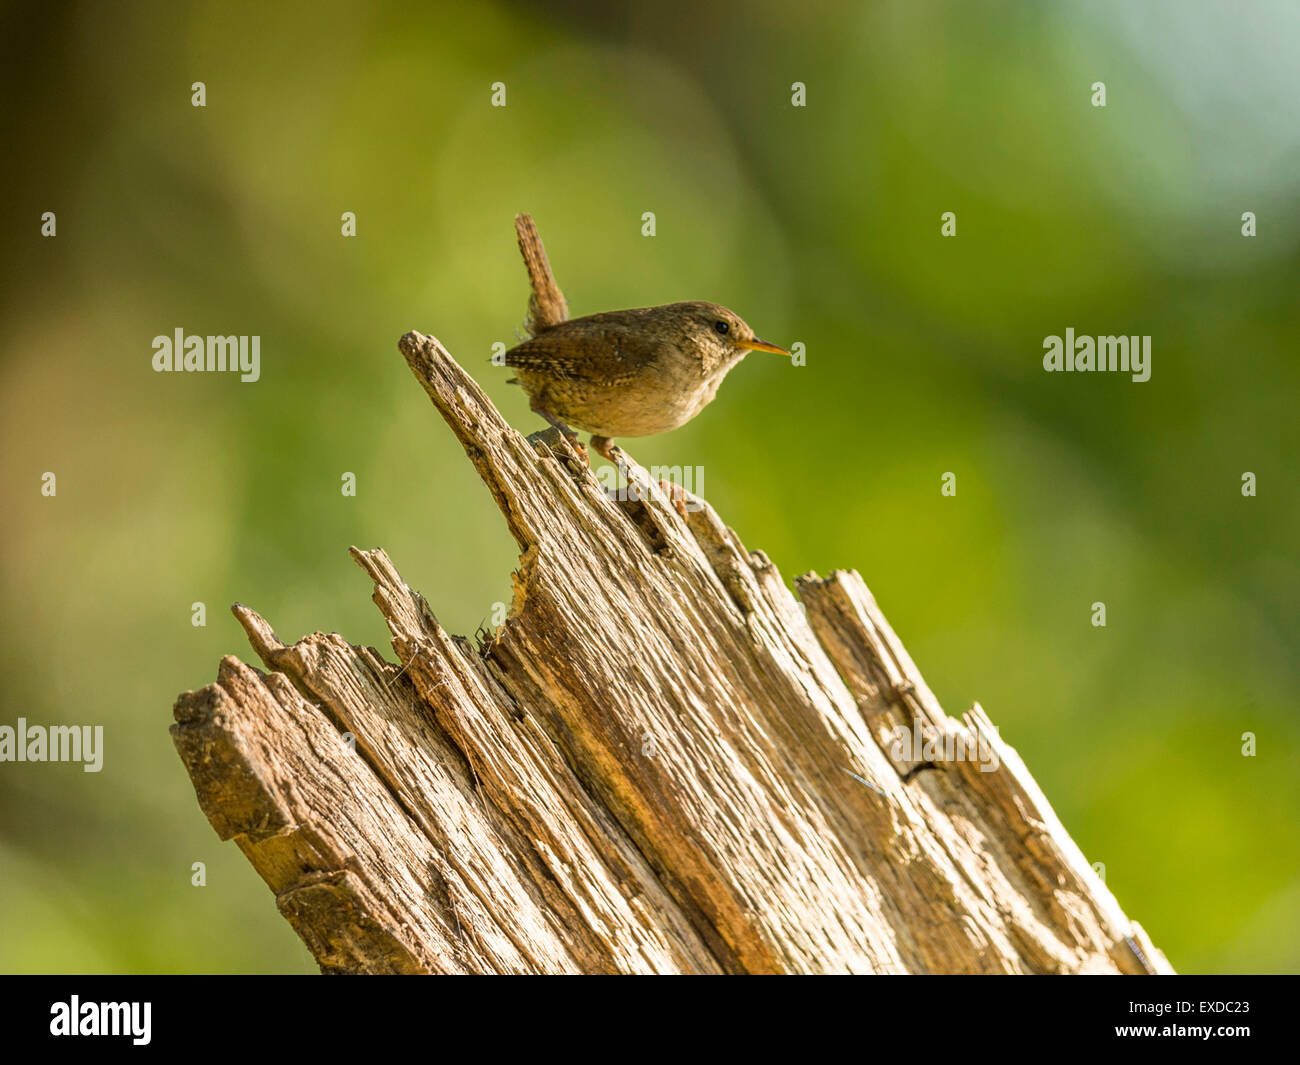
x: 554, y: 440
x: 579, y: 447
x: 606, y: 448
x: 565, y: 431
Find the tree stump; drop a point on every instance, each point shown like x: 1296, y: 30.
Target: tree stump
x: 663, y: 762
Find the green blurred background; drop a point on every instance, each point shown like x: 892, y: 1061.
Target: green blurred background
x: 818, y: 224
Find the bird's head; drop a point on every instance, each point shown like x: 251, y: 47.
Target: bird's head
x: 719, y: 337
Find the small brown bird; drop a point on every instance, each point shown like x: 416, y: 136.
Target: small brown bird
x: 632, y: 373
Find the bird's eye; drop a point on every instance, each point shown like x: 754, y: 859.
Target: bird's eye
x: 722, y: 328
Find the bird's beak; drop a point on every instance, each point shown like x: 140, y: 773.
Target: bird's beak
x: 762, y: 345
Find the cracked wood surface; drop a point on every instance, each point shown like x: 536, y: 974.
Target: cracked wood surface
x: 661, y: 763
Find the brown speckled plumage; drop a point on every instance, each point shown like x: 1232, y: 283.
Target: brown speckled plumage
x: 635, y: 372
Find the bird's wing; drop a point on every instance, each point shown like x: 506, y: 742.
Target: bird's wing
x: 576, y: 355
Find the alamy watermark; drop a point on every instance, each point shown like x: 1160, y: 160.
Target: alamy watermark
x: 79, y: 1018
x: 57, y: 743
x: 924, y: 743
x: 197, y: 354
x: 1073, y: 354
x: 688, y: 479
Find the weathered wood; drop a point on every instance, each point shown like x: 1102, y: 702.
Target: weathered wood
x: 659, y: 763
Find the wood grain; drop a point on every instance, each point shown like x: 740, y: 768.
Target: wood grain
x: 662, y: 762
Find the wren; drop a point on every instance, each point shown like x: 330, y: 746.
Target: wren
x: 631, y: 373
